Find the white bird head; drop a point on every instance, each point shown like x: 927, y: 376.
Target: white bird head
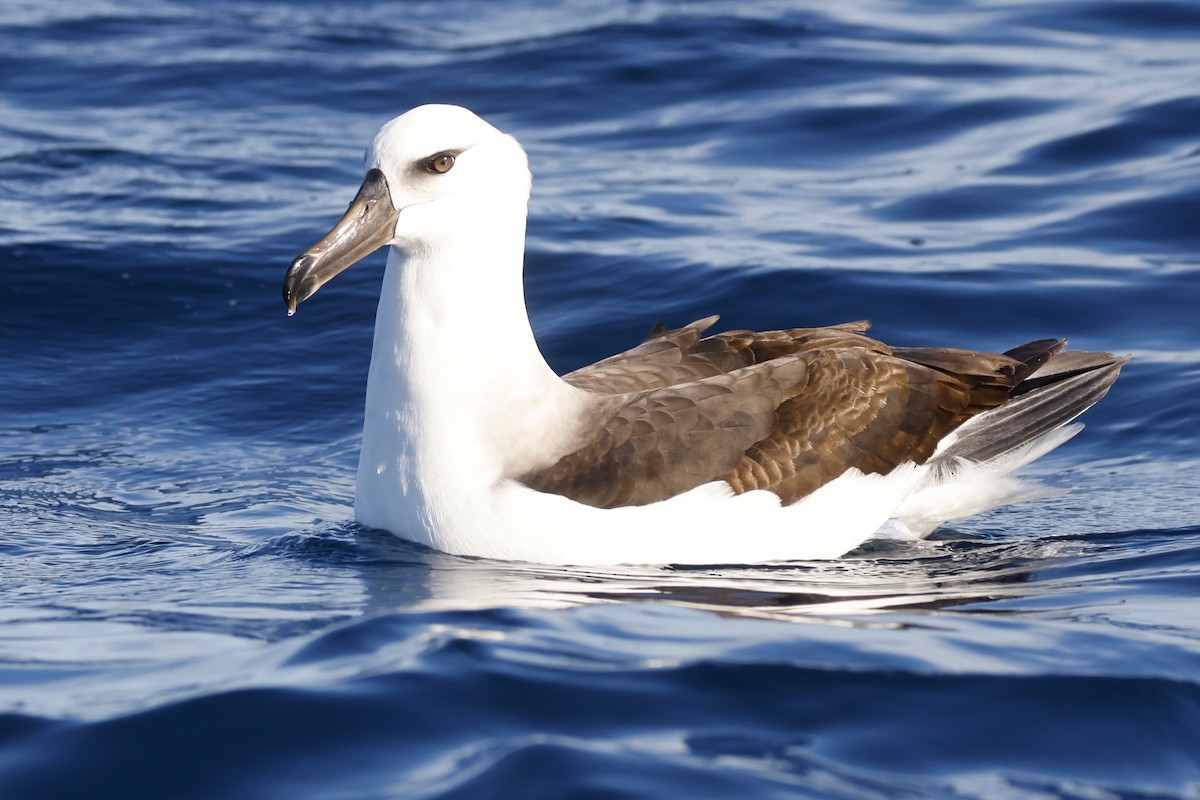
x: 428, y: 170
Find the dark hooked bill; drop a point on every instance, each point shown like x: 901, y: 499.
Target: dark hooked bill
x: 367, y: 225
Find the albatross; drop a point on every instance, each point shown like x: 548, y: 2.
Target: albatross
x: 690, y: 448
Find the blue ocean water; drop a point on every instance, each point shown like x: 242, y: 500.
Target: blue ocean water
x: 187, y: 609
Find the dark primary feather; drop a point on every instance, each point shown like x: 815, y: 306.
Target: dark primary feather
x: 788, y: 411
x: 1045, y: 401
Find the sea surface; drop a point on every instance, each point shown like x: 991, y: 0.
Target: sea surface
x: 187, y: 608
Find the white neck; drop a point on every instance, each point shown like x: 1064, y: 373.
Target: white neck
x: 458, y: 396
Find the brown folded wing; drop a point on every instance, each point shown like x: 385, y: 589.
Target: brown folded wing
x: 786, y: 411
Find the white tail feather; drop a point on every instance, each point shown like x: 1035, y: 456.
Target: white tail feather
x: 959, y: 488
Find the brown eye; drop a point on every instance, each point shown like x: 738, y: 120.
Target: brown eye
x: 441, y: 163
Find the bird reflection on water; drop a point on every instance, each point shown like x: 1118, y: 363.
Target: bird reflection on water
x: 949, y: 571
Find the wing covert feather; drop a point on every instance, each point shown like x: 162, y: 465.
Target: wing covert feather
x: 672, y: 357
x: 661, y: 442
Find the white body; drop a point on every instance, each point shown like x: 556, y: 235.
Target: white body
x: 459, y: 397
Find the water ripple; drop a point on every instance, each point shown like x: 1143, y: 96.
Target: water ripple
x: 182, y: 574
